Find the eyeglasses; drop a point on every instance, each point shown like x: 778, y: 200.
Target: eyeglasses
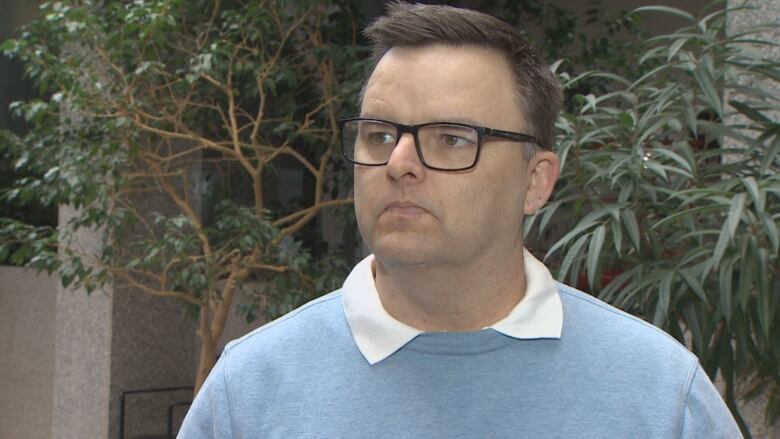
x: 444, y: 146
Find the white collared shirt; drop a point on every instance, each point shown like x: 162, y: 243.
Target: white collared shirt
x: 378, y: 334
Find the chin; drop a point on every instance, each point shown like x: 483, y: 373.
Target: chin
x: 409, y: 253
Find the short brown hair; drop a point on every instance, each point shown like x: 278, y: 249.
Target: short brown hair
x: 417, y: 25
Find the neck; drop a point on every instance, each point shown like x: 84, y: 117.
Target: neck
x: 452, y: 298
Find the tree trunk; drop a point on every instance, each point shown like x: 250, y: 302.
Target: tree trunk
x: 208, y: 350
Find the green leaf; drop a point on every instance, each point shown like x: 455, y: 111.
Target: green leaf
x: 674, y: 48
x: 706, y: 82
x: 692, y: 212
x: 735, y: 213
x: 749, y: 111
x: 665, y: 9
x: 594, y: 252
x: 656, y: 168
x: 591, y: 103
x: 720, y: 246
x: 664, y: 298
x: 765, y: 309
x: 692, y: 322
x: 617, y: 236
x: 549, y: 210
x: 632, y: 226
x: 676, y: 158
x: 585, y: 223
x: 770, y: 226
x: 528, y: 223
x: 653, y: 130
x: 616, y: 286
x: 725, y: 278
x: 625, y: 192
x: 695, y: 285
x: 746, y: 273
x: 772, y: 153
x: 752, y: 188
x: 573, y: 253
x: 690, y: 114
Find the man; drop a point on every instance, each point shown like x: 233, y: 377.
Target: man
x: 451, y: 329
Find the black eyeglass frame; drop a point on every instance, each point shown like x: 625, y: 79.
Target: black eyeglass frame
x: 482, y: 132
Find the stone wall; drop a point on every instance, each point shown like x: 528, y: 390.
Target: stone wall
x: 27, y: 309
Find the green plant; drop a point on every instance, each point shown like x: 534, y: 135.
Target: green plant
x: 669, y: 197
x: 599, y: 39
x: 161, y: 124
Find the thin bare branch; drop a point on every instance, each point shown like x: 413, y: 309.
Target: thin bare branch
x: 274, y: 268
x: 161, y: 291
x: 177, y: 135
x: 309, y: 211
x: 186, y: 208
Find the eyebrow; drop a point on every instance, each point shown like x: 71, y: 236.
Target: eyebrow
x: 456, y: 119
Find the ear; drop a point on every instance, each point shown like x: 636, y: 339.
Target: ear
x: 543, y: 173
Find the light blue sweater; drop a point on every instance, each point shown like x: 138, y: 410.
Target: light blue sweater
x: 609, y: 376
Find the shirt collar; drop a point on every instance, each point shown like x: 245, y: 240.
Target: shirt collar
x: 378, y: 334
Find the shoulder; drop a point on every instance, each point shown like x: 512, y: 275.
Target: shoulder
x: 276, y: 353
x: 591, y: 320
x: 322, y: 318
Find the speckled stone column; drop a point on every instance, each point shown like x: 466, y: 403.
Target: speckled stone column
x: 759, y: 12
x: 112, y: 341
x: 82, y: 364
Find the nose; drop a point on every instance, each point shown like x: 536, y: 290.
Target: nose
x: 404, y: 163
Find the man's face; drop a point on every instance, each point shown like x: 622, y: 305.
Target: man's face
x: 408, y: 214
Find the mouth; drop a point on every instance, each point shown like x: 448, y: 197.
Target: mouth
x: 404, y: 208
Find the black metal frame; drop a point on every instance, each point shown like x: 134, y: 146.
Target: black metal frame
x: 123, y: 398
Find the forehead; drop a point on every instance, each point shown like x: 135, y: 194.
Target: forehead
x: 438, y: 82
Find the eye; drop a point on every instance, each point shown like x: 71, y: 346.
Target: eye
x: 454, y: 141
x: 449, y: 136
x: 377, y: 133
x: 380, y: 138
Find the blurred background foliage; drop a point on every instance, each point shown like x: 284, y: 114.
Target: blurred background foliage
x: 194, y: 137
x: 667, y: 204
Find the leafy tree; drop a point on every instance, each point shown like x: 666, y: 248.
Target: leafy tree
x: 672, y: 180
x: 162, y: 126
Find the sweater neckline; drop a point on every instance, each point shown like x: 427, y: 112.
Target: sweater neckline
x: 459, y: 343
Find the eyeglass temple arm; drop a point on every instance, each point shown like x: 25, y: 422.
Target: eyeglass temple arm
x: 513, y: 136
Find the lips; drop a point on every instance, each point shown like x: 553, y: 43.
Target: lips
x: 405, y: 208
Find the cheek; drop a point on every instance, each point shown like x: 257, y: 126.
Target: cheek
x: 501, y: 201
x: 362, y: 185
x: 471, y: 207
x: 364, y: 200
x: 364, y: 219
x: 361, y: 199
